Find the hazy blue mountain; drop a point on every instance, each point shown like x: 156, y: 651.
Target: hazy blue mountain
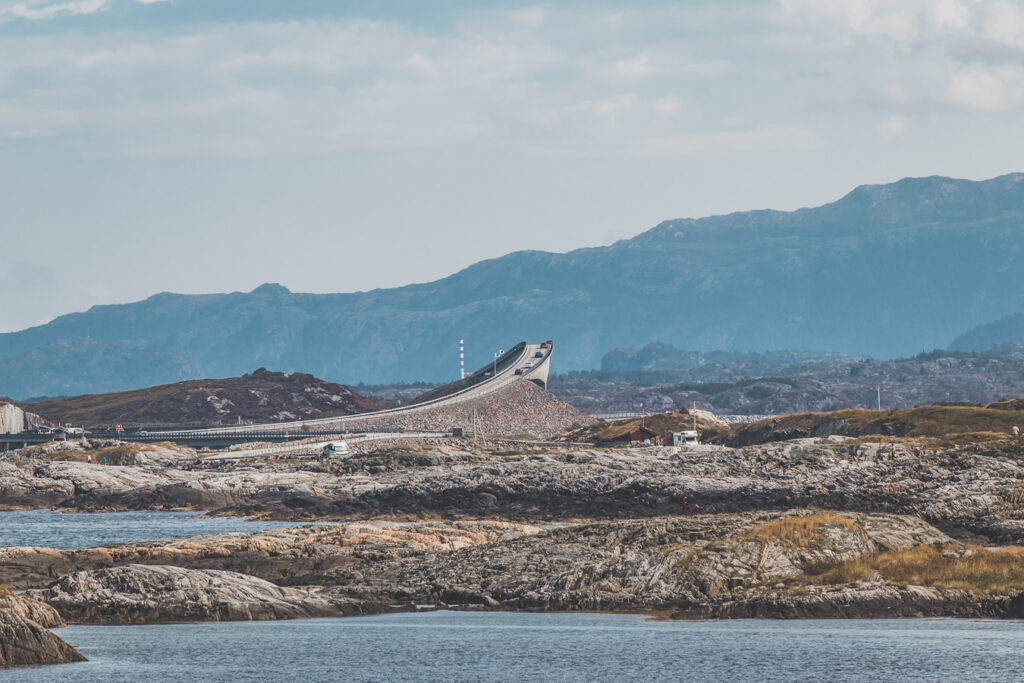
x: 69, y: 368
x: 1003, y: 331
x: 660, y: 356
x: 885, y: 271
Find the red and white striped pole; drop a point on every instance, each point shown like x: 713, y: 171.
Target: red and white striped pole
x: 462, y: 359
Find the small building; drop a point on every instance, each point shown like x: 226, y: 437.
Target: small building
x: 637, y: 434
x: 685, y: 438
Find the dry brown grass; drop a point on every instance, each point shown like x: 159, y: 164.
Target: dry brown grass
x: 934, y: 442
x: 950, y: 424
x: 118, y: 455
x: 984, y: 571
x: 799, y: 531
x: 5, y: 592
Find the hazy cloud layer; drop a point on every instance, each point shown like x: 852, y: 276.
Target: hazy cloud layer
x: 217, y: 134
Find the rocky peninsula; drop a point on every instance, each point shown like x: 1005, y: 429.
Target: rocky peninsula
x: 831, y: 526
x: 789, y: 563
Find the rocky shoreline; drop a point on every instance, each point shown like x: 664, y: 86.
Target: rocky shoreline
x: 25, y: 638
x: 763, y: 564
x: 970, y: 492
x: 822, y: 528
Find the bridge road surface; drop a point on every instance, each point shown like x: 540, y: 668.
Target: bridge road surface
x: 526, y: 361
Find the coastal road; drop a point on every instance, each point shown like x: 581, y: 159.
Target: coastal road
x: 523, y: 362
x: 315, y: 446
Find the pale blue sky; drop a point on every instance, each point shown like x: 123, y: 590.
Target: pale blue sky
x: 205, y: 145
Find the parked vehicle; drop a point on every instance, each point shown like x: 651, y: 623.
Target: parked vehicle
x: 334, y: 448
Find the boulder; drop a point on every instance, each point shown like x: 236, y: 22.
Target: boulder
x: 27, y: 642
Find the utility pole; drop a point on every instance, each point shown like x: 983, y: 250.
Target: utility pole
x: 494, y: 373
x: 878, y: 389
x: 462, y: 358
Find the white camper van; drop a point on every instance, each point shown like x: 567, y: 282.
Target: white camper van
x: 334, y: 448
x: 685, y: 438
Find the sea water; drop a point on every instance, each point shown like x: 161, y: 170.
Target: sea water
x: 503, y: 646
x: 68, y: 530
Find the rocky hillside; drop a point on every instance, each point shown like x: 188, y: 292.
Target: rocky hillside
x: 1008, y: 330
x: 884, y: 271
x: 662, y: 424
x: 262, y: 396
x: 664, y: 378
x: 949, y: 423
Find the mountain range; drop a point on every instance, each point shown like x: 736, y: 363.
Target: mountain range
x: 887, y: 270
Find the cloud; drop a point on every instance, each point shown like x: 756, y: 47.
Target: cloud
x: 988, y: 90
x: 893, y: 127
x: 773, y: 139
x: 633, y: 68
x: 667, y: 107
x: 47, y: 9
x: 547, y: 80
x: 1004, y: 24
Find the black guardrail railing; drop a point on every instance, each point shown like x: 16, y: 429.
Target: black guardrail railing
x: 472, y: 379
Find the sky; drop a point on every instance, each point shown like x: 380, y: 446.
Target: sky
x: 213, y: 145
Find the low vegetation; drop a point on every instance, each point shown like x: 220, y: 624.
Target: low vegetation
x: 953, y: 424
x: 972, y: 568
x: 115, y: 455
x: 663, y: 424
x: 799, y: 531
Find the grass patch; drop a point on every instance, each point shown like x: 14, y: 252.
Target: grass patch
x: 944, y: 441
x: 5, y: 592
x: 951, y: 424
x: 117, y: 455
x: 799, y: 531
x: 984, y: 571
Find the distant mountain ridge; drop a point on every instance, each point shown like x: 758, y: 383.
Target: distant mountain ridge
x: 661, y: 356
x: 885, y: 271
x: 1008, y: 330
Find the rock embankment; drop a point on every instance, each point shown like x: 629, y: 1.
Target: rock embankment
x: 140, y: 594
x: 521, y: 408
x: 24, y: 638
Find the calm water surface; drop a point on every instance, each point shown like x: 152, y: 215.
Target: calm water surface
x: 544, y: 647
x: 87, y: 529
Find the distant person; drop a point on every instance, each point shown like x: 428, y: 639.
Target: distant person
x: 1015, y: 431
x: 104, y: 460
x: 88, y: 458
